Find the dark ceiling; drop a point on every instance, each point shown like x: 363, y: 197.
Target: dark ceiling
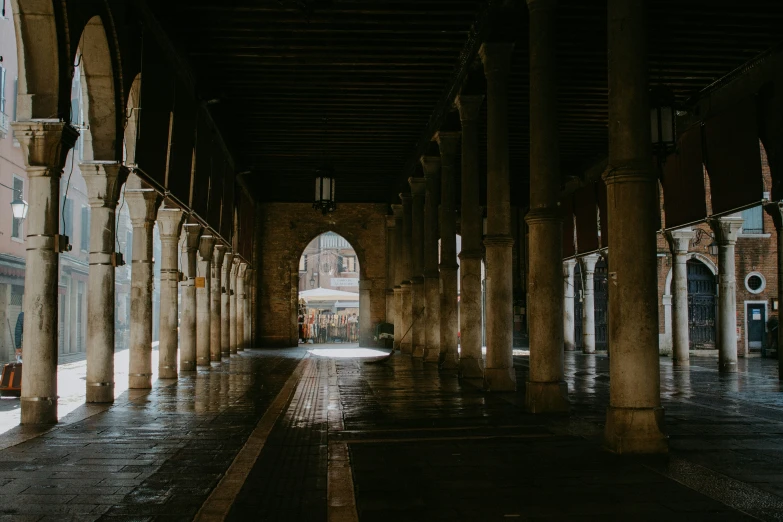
x: 356, y: 82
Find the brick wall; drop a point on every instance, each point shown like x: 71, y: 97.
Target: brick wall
x: 752, y: 254
x: 285, y: 231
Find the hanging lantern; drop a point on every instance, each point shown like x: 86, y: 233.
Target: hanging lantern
x: 19, y: 207
x: 663, y: 122
x: 324, y: 190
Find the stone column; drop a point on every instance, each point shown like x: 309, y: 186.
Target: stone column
x: 569, y: 292
x: 726, y: 230
x: 431, y: 167
x: 406, y: 339
x: 587, y: 265
x: 471, y: 360
x: 499, y: 374
x: 634, y: 419
x: 547, y: 390
x: 45, y: 148
x: 103, y: 182
x: 232, y: 316
x: 398, y: 274
x: 206, y: 245
x: 449, y: 315
x: 248, y: 291
x: 390, y: 258
x: 241, y: 312
x: 143, y: 206
x: 775, y: 210
x: 225, y: 303
x: 365, y: 305
x: 170, y: 229
x: 679, y: 240
x: 215, y: 309
x: 187, y: 323
x: 418, y: 298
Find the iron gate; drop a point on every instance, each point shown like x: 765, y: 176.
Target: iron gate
x: 701, y: 306
x: 601, y: 306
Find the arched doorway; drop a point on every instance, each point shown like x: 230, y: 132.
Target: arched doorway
x: 701, y: 305
x: 330, y: 304
x: 601, y: 304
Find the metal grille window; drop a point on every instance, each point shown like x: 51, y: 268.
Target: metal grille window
x: 85, y: 232
x: 755, y: 283
x: 16, y: 226
x: 753, y: 220
x: 68, y: 218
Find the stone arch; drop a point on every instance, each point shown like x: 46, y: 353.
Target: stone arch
x: 691, y: 255
x: 285, y: 231
x: 98, y: 93
x: 132, y: 122
x: 38, y: 55
x: 665, y: 339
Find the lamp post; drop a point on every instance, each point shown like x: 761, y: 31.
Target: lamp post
x: 19, y: 206
x: 663, y: 122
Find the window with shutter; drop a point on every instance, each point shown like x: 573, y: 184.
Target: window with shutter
x: 16, y: 226
x: 68, y: 218
x: 753, y: 220
x: 85, y: 233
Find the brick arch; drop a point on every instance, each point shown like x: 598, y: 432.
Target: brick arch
x: 285, y: 231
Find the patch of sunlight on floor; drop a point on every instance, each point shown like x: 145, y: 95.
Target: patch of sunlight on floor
x: 71, y: 387
x: 352, y: 351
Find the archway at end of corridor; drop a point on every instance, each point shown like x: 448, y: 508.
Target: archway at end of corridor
x: 329, y: 306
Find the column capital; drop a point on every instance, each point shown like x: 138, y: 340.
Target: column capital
x: 241, y: 270
x: 543, y: 215
x: 588, y: 263
x: 228, y: 260
x: 498, y: 241
x: 218, y: 254
x: 170, y: 223
x: 568, y: 267
x: 397, y: 209
x: 103, y: 180
x: 469, y: 106
x: 142, y: 206
x: 726, y: 229
x: 496, y: 57
x: 192, y: 232
x: 45, y: 144
x: 535, y: 5
x: 430, y: 165
x: 679, y: 240
x: 418, y: 186
x: 205, y: 246
x: 448, y: 142
x: 405, y: 197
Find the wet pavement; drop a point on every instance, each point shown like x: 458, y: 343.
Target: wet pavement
x: 421, y: 446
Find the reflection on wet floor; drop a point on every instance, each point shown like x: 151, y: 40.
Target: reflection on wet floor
x: 423, y: 446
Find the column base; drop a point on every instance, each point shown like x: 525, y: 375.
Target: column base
x: 187, y: 366
x: 100, y: 393
x: 450, y: 361
x: 166, y: 372
x: 39, y: 410
x: 588, y: 351
x: 471, y: 368
x: 681, y: 362
x: 203, y: 367
x: 215, y: 364
x: 418, y: 351
x: 395, y: 346
x: 432, y: 355
x: 240, y: 350
x: 140, y: 382
x: 500, y: 380
x: 406, y: 348
x: 635, y: 430
x: 546, y: 397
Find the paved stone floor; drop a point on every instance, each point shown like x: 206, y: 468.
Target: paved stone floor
x: 337, y: 438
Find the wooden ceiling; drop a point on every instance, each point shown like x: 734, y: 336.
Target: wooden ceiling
x: 360, y: 84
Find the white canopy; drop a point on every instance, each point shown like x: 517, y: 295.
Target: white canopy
x: 326, y: 294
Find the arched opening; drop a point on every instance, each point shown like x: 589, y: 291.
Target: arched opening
x: 601, y: 304
x: 701, y: 305
x: 330, y: 306
x: 38, y: 60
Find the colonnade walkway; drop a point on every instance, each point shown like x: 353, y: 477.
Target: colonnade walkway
x: 295, y: 435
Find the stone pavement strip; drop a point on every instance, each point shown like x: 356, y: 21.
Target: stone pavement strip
x: 278, y: 435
